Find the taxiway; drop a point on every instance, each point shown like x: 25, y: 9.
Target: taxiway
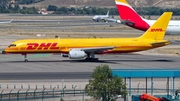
x: 51, y: 69
x: 57, y: 63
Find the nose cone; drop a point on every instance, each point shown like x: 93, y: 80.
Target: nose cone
x: 6, y: 50
x: 94, y: 17
x: 3, y: 52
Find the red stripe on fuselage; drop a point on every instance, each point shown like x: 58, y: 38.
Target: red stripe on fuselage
x: 128, y: 14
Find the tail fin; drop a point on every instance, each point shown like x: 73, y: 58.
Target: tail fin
x: 158, y: 29
x: 126, y: 12
x: 11, y: 20
x: 107, y: 13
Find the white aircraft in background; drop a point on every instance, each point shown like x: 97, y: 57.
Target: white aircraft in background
x: 3, y: 22
x: 130, y: 17
x: 105, y: 18
x: 98, y: 18
x: 112, y: 20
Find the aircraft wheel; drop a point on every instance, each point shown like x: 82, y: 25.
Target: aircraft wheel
x: 26, y: 60
x: 87, y: 59
x: 95, y: 59
x: 91, y: 60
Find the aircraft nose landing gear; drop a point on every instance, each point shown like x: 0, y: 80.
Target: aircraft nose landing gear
x: 25, y: 58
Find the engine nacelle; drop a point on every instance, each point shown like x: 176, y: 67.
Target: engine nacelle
x: 77, y: 54
x: 118, y: 21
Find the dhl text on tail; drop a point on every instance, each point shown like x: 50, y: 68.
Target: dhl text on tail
x: 88, y: 47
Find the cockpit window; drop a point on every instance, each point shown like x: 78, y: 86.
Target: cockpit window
x: 12, y: 45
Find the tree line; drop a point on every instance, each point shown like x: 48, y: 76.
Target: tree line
x: 156, y: 10
x: 81, y: 11
x: 28, y: 1
x: 16, y: 9
x: 6, y: 7
x: 113, y: 11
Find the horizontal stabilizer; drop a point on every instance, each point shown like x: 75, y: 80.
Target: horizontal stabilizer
x: 155, y: 44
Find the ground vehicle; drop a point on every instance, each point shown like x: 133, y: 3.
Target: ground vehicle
x: 177, y: 93
x: 147, y: 97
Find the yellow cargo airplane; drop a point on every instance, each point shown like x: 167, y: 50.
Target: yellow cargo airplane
x: 88, y: 47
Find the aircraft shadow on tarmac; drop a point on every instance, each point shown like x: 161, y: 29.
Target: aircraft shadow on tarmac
x: 66, y: 61
x: 100, y: 61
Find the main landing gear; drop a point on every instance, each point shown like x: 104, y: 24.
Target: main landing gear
x: 25, y: 58
x: 91, y: 57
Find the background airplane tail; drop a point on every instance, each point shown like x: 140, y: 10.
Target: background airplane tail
x: 158, y: 29
x: 126, y: 12
x: 107, y: 13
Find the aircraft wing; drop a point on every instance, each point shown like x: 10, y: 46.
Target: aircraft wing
x: 102, y: 19
x: 109, y: 20
x: 6, y: 21
x: 95, y: 49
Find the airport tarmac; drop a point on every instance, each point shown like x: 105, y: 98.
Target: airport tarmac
x: 57, y: 63
x: 53, y: 68
x: 48, y: 69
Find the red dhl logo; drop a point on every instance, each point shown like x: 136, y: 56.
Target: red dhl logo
x: 156, y: 30
x: 42, y: 46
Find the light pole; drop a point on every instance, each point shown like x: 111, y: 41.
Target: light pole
x: 138, y: 88
x: 63, y: 90
x: 152, y: 88
x: 62, y: 83
x: 63, y: 87
x: 74, y: 89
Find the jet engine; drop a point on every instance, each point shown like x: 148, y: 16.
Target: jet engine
x: 76, y: 54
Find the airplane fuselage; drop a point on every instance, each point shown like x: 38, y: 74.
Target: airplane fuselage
x: 121, y: 45
x: 98, y: 18
x: 173, y: 26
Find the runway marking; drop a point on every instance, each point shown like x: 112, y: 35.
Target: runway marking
x: 4, y: 81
